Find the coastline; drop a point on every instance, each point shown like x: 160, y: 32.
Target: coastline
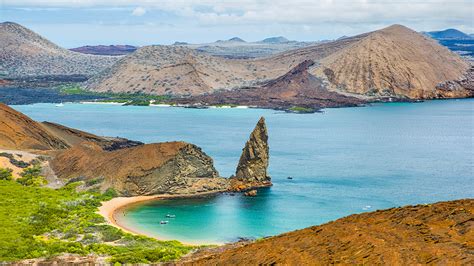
x: 116, y: 207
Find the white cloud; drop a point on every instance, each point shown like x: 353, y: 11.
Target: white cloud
x: 420, y: 14
x: 139, y: 11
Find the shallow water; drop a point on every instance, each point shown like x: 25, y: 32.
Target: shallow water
x: 343, y: 161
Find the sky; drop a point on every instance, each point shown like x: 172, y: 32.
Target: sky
x: 144, y: 22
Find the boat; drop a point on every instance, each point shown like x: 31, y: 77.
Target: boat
x: 59, y: 105
x: 163, y: 222
x: 289, y: 177
x: 170, y: 216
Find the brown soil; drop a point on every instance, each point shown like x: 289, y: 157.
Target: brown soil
x: 439, y: 233
x: 19, y: 132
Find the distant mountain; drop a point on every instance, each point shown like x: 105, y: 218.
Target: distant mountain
x: 392, y: 62
x: 180, y: 43
x: 448, y: 34
x: 24, y: 53
x: 397, y: 62
x: 279, y: 39
x: 236, y: 39
x: 105, y: 49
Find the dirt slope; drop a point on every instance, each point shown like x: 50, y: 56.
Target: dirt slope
x: 440, y: 233
x: 394, y: 61
x: 24, y: 53
x: 19, y: 132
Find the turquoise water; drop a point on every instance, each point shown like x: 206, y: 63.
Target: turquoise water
x: 343, y: 161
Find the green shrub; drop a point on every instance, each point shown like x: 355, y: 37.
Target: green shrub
x: 109, y: 194
x: 300, y: 109
x: 43, y: 222
x: 31, y: 177
x: 6, y: 174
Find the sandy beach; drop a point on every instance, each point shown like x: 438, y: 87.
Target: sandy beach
x: 115, y: 207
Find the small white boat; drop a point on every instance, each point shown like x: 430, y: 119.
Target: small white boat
x: 170, y: 216
x: 59, y: 105
x: 163, y: 222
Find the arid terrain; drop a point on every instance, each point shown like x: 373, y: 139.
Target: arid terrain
x: 440, y: 233
x: 24, y: 53
x: 392, y: 62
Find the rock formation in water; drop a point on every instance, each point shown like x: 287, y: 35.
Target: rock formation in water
x: 130, y: 167
x: 253, y: 164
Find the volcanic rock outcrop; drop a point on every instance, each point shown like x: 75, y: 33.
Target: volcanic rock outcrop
x: 253, y: 162
x: 159, y: 168
x: 435, y: 234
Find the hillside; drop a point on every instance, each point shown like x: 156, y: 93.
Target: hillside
x: 297, y: 90
x: 396, y: 62
x: 19, y: 132
x: 173, y: 70
x: 391, y: 62
x: 24, y: 53
x: 105, y: 49
x: 440, y: 233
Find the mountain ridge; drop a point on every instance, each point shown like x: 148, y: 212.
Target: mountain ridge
x: 25, y: 53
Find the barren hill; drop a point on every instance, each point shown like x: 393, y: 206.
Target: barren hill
x: 394, y: 61
x: 440, y: 233
x: 19, y: 132
x: 391, y: 62
x: 173, y: 70
x: 25, y: 53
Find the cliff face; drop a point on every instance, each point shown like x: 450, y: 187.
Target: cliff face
x: 439, y: 234
x: 171, y: 167
x: 253, y: 162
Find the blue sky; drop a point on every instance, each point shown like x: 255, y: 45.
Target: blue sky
x: 142, y: 22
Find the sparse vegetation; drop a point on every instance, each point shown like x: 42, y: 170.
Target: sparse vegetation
x: 139, y: 99
x: 300, y: 109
